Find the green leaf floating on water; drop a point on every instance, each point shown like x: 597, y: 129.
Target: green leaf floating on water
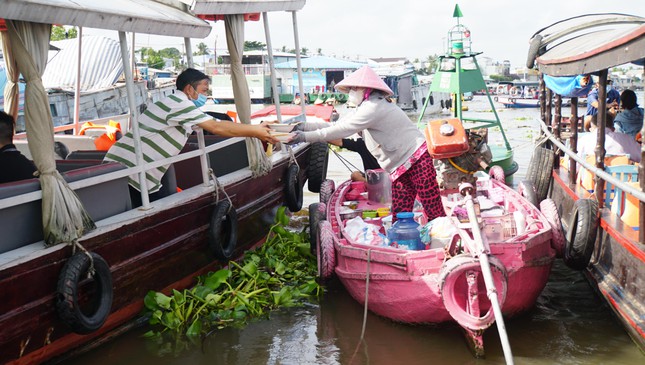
x: 280, y: 273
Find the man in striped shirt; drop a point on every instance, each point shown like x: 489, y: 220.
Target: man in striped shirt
x: 164, y: 128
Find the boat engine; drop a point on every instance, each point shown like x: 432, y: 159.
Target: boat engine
x: 457, y: 153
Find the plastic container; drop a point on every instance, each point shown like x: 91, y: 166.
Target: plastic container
x: 404, y: 233
x: 379, y: 186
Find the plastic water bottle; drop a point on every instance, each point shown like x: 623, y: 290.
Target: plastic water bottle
x: 404, y: 233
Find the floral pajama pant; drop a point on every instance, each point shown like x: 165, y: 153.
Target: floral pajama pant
x: 419, y: 181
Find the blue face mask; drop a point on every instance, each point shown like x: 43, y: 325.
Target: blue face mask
x: 201, y: 100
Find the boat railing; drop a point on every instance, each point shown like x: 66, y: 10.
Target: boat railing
x: 624, y: 186
x: 123, y: 119
x: 225, y: 69
x: 202, y: 151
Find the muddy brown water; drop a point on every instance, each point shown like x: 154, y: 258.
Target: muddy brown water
x: 568, y: 325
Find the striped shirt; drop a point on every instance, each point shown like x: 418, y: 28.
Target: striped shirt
x: 164, y: 128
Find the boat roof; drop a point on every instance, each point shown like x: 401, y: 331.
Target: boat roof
x: 589, y: 43
x: 162, y: 17
x: 224, y: 7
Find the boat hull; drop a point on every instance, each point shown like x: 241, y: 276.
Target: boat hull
x: 405, y: 285
x: 617, y: 267
x: 159, y: 249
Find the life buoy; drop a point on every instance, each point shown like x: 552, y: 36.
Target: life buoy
x: 326, y: 256
x: 222, y: 232
x: 293, y: 188
x: 581, y: 237
x: 67, y: 300
x: 514, y: 91
x: 527, y: 190
x: 317, y: 170
x: 327, y: 188
x: 497, y: 173
x: 454, y: 290
x: 550, y: 211
x: 539, y: 171
x: 317, y: 213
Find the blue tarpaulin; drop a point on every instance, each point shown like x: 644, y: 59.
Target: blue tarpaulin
x: 568, y: 86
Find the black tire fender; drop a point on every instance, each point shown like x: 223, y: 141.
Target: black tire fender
x: 534, y: 48
x: 539, y: 171
x: 581, y: 238
x: 318, y: 161
x: 527, y: 190
x: 317, y: 213
x: 67, y: 299
x: 326, y: 190
x: 222, y: 232
x: 326, y: 255
x: 293, y: 188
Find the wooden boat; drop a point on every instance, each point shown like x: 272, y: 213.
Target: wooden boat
x: 431, y: 285
x: 604, y: 220
x: 48, y: 307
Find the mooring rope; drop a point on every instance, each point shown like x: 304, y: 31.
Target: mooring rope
x: 367, y: 293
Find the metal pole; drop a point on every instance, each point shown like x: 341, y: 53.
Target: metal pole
x: 294, y: 16
x: 488, y: 278
x: 129, y: 87
x: 77, y: 85
x: 274, y: 81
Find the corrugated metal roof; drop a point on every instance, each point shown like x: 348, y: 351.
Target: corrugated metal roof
x: 101, y: 64
x: 245, y: 6
x: 322, y: 62
x: 163, y: 17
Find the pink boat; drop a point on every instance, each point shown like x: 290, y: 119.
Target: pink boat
x: 444, y: 282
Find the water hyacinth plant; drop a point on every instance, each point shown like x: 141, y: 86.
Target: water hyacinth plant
x: 280, y: 273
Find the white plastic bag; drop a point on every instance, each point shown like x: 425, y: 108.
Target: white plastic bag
x: 364, y: 233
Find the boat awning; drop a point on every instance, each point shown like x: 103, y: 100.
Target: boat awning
x: 162, y: 17
x: 224, y: 7
x: 590, y: 43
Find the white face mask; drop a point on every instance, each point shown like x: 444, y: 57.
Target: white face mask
x: 356, y: 96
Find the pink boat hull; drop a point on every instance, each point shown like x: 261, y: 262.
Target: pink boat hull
x: 405, y: 285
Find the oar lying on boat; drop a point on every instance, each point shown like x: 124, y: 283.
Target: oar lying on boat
x: 481, y: 251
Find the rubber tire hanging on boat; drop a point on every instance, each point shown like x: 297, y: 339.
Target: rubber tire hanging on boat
x: 317, y: 213
x: 534, y: 48
x: 581, y: 237
x: 293, y: 188
x: 326, y: 256
x: 497, y: 173
x: 453, y: 285
x: 318, y: 160
x: 222, y: 232
x: 73, y: 275
x: 550, y: 211
x: 539, y: 171
x: 327, y: 188
x: 527, y: 190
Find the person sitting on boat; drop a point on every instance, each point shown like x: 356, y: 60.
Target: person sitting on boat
x: 630, y: 119
x: 165, y: 127
x: 392, y: 138
x: 616, y: 144
x: 613, y: 96
x: 14, y: 165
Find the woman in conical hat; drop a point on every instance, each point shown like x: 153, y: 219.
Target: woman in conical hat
x: 389, y: 135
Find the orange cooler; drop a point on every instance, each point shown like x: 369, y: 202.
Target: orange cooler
x: 446, y: 138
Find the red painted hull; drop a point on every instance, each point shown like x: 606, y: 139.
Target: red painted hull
x: 617, y: 267
x: 164, y: 248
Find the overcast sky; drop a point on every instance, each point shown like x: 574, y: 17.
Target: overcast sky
x: 411, y: 28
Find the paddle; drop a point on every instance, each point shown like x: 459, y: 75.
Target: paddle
x: 482, y: 253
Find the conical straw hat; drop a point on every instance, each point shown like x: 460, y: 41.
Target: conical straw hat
x: 363, y: 77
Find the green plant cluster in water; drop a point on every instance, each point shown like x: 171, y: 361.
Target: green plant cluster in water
x: 280, y: 273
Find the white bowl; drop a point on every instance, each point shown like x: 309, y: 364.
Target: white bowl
x: 284, y: 128
x: 282, y: 137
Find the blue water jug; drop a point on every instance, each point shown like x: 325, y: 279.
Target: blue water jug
x: 404, y: 233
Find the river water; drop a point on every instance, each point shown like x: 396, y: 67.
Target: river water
x: 568, y: 325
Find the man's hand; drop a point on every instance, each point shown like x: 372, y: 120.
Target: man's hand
x: 298, y: 137
x: 264, y: 134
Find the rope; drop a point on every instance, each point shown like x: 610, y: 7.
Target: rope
x: 218, y: 187
x: 75, y: 244
x: 345, y: 161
